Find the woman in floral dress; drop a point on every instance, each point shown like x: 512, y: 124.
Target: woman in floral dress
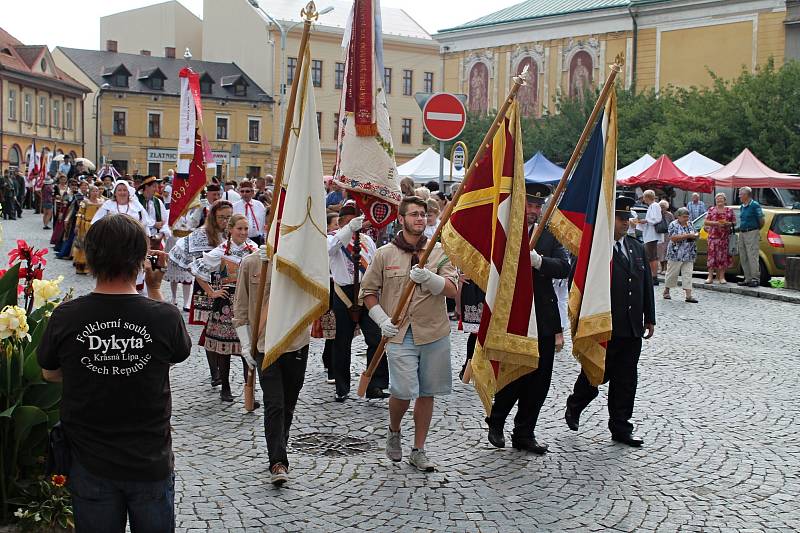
x: 216, y: 273
x: 719, y: 222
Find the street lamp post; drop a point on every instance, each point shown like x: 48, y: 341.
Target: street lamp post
x: 285, y: 30
x: 97, y: 150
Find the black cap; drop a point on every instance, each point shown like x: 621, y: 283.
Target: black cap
x: 623, y: 205
x: 213, y: 187
x: 537, y: 192
x: 349, y: 209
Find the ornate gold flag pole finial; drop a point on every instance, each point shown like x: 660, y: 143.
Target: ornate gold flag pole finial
x: 310, y: 13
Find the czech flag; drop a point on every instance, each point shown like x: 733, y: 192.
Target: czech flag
x: 584, y: 223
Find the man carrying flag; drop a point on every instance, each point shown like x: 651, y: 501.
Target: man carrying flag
x: 633, y: 317
x: 549, y: 261
x: 297, y: 288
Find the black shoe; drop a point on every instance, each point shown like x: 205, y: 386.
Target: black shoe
x: 225, y: 396
x: 529, y: 445
x: 375, y: 393
x: 754, y: 284
x: 496, y: 437
x: 256, y: 405
x: 340, y: 398
x: 572, y: 418
x: 655, y: 282
x: 743, y: 283
x: 216, y: 381
x: 628, y: 439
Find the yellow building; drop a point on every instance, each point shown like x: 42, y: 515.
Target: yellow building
x: 39, y: 102
x: 235, y: 30
x: 133, y: 118
x: 568, y: 44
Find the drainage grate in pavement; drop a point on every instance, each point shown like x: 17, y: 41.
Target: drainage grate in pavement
x: 330, y: 444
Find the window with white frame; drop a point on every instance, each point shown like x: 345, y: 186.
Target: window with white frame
x: 222, y: 128
x: 12, y: 104
x: 120, y: 122
x: 254, y: 129
x: 27, y: 108
x: 43, y: 111
x: 154, y: 124
x: 68, y: 115
x: 56, y: 121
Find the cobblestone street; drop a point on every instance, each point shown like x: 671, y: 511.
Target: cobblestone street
x: 716, y: 405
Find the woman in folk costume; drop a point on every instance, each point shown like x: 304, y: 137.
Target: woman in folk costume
x: 62, y: 195
x: 192, y: 247
x: 86, y: 212
x: 125, y: 203
x: 64, y: 250
x: 216, y: 272
x: 174, y: 274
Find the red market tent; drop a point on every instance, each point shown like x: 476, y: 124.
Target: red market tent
x: 664, y: 173
x: 747, y: 171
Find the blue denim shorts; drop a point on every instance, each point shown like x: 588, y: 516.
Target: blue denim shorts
x: 416, y: 371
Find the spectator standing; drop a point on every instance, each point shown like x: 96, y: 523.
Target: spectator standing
x: 650, y: 237
x: 681, y: 254
x: 254, y: 210
x: 751, y: 219
x: 66, y: 166
x: 432, y: 218
x: 662, y: 246
x: 719, y: 222
x: 335, y: 198
x: 696, y: 207
x: 116, y: 409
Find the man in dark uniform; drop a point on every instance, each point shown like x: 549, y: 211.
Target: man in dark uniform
x: 633, y: 317
x: 550, y: 261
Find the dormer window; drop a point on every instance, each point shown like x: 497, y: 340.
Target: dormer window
x: 117, y: 75
x: 157, y: 84
x: 153, y: 78
x: 206, y: 84
x: 236, y: 83
x: 119, y: 80
x: 240, y: 89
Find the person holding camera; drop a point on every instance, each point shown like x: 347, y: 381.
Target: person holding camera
x: 113, y: 349
x: 216, y: 272
x: 681, y: 253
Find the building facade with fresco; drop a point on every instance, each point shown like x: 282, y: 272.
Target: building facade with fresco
x: 567, y: 46
x: 132, y: 117
x: 39, y: 102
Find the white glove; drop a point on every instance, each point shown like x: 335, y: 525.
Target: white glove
x: 379, y: 316
x: 431, y: 281
x: 346, y: 233
x: 536, y: 259
x: 262, y: 253
x: 244, y: 339
x: 356, y: 223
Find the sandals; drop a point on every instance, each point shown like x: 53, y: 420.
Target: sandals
x: 708, y: 282
x: 667, y: 296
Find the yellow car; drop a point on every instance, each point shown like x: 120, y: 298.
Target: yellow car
x: 780, y: 238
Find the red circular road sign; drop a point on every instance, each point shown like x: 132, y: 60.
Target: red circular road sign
x: 444, y: 116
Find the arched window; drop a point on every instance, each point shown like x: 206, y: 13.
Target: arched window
x: 14, y: 156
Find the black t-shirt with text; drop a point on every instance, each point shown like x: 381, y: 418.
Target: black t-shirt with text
x: 115, y: 351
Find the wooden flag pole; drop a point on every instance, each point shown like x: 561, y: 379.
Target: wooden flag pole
x: 616, y: 67
x: 309, y: 14
x: 408, y: 290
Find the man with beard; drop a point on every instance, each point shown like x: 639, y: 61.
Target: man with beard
x: 550, y: 261
x: 418, y: 351
x: 633, y: 317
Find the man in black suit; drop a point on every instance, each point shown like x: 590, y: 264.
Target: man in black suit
x: 550, y: 261
x: 633, y: 317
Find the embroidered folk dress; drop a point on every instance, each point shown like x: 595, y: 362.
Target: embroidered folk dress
x: 718, y: 237
x: 185, y: 252
x: 219, y: 268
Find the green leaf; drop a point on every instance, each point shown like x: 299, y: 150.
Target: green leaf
x: 31, y: 369
x: 44, y: 395
x: 7, y: 413
x: 8, y: 286
x: 26, y: 417
x: 53, y: 417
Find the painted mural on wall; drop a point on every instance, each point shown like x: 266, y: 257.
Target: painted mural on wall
x: 528, y: 95
x: 580, y: 74
x: 479, y: 88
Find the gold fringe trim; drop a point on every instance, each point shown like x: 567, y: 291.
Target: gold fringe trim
x: 565, y: 231
x: 367, y: 130
x: 465, y: 256
x: 592, y: 357
x: 316, y: 290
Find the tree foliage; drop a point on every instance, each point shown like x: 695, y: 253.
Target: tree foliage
x: 760, y: 111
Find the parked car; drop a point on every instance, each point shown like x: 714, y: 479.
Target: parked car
x: 780, y: 238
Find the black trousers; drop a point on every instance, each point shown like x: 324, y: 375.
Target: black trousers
x: 345, y: 327
x: 281, y: 383
x: 258, y: 239
x: 529, y: 391
x: 622, y: 358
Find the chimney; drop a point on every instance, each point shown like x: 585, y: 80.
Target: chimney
x: 111, y: 46
x: 169, y: 52
x: 144, y: 52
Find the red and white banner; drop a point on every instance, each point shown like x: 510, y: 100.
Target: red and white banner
x: 33, y: 165
x: 194, y: 152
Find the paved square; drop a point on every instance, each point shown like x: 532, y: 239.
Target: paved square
x: 717, y: 407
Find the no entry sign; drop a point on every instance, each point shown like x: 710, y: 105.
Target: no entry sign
x: 444, y: 116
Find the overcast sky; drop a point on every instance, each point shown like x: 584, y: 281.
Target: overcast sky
x: 76, y: 23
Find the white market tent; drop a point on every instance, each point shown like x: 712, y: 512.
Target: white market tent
x: 636, y: 168
x: 696, y: 164
x: 425, y: 167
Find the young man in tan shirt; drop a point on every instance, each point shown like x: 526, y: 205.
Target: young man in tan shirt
x: 419, y: 350
x: 280, y: 382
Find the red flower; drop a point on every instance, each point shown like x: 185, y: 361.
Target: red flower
x: 59, y: 480
x: 23, y: 252
x: 38, y: 257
